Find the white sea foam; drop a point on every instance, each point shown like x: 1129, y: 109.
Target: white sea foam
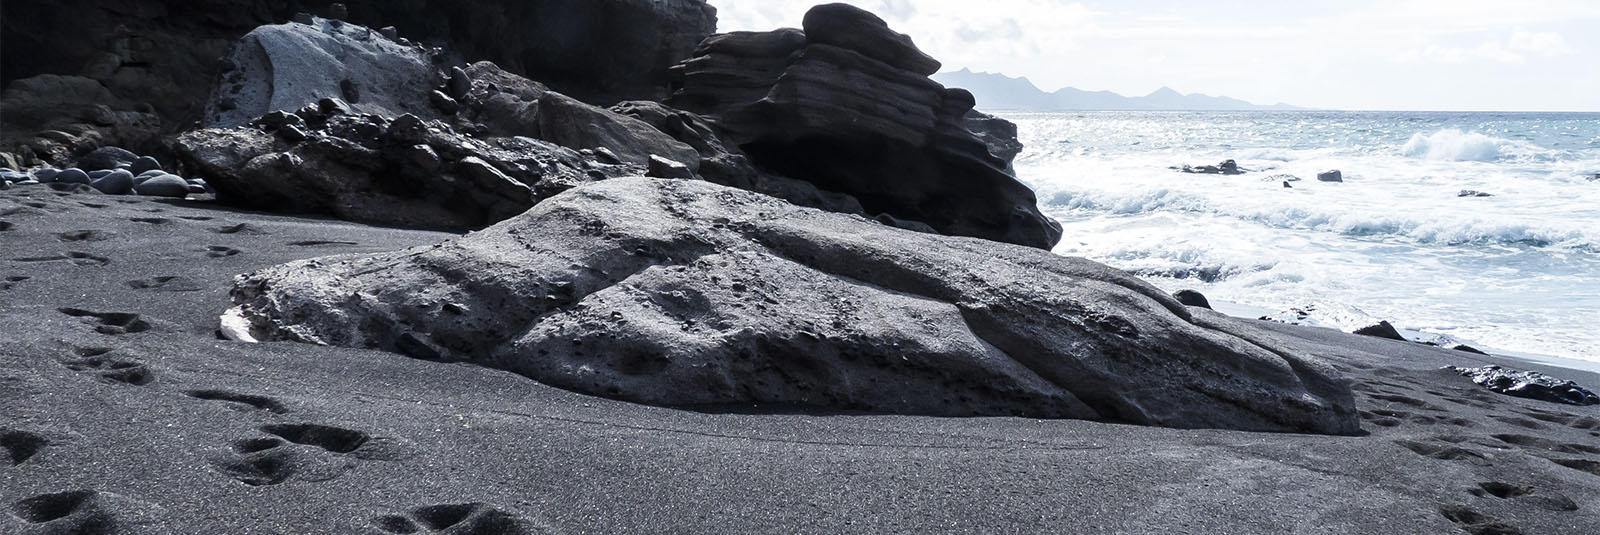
x: 1515, y: 271
x: 1457, y: 146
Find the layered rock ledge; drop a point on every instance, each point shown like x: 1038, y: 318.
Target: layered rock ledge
x: 846, y: 103
x: 686, y: 293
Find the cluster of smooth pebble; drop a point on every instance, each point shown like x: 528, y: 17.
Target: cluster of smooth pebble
x: 118, y: 172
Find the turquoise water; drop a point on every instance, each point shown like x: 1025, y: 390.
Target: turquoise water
x: 1515, y: 271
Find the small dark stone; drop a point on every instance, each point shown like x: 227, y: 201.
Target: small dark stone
x: 46, y: 174
x: 106, y: 158
x: 389, y: 32
x: 444, y: 103
x: 1473, y: 193
x: 663, y: 168
x: 337, y: 10
x: 1332, y: 175
x: 1469, y: 349
x: 304, y: 18
x: 1531, y: 385
x: 293, y: 133
x: 1286, y: 184
x: 351, y: 90
x: 1191, y: 298
x: 119, y: 182
x: 1382, y: 330
x: 459, y: 85
x: 605, y: 156
x: 278, y: 119
x: 163, y: 186
x: 72, y: 175
x: 332, y: 106
x: 143, y: 164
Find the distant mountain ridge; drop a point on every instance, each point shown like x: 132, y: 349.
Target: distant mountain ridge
x: 1000, y: 92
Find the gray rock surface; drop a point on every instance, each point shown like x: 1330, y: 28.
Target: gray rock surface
x: 1330, y: 176
x: 998, y: 134
x: 119, y: 182
x: 406, y: 172
x: 853, y: 111
x: 163, y: 186
x: 72, y: 175
x: 680, y: 292
x: 107, y: 158
x: 283, y: 67
x: 1383, y: 329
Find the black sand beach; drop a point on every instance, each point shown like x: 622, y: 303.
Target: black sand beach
x: 122, y: 407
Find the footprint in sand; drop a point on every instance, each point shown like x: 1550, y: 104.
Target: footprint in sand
x: 12, y: 281
x: 150, y: 220
x: 459, y: 519
x: 169, y: 283
x: 219, y: 251
x: 21, y: 445
x: 110, y: 369
x: 83, y: 235
x: 245, y: 401
x: 85, y: 512
x: 7, y: 225
x: 112, y: 323
x: 1436, y: 449
x: 302, y: 452
x: 241, y: 228
x: 75, y: 257
x: 319, y: 243
x: 1477, y: 523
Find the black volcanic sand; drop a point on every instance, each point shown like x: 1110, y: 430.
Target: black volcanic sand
x: 123, y: 412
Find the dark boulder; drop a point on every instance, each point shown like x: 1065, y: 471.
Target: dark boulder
x: 686, y: 293
x: 1227, y: 167
x: 1473, y: 193
x: 406, y: 172
x: 1383, y: 329
x: 1330, y: 176
x: 1191, y: 298
x: 861, y: 120
x: 1531, y: 385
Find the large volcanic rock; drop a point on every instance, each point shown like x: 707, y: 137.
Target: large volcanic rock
x: 406, y: 172
x: 157, y: 59
x: 686, y: 293
x: 847, y: 104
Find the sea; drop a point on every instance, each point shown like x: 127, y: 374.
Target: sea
x: 1401, y: 239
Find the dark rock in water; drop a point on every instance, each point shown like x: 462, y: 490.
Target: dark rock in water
x: 1531, y: 385
x: 686, y: 293
x: 853, y: 111
x: 1473, y: 193
x: 107, y: 158
x: 119, y: 182
x: 1382, y: 330
x: 1330, y: 176
x: 1286, y: 184
x: 144, y: 163
x: 163, y: 186
x: 72, y: 175
x: 1469, y: 349
x: 999, y: 134
x: 1191, y: 298
x: 664, y: 168
x: 1227, y: 167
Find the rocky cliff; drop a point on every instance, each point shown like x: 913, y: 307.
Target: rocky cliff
x: 87, y: 73
x: 846, y: 103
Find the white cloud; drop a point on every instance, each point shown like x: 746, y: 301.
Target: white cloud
x: 1541, y: 43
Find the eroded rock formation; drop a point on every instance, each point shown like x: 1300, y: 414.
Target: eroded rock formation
x: 846, y: 103
x: 682, y: 292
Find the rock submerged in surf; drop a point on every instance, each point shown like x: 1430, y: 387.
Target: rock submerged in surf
x: 1531, y: 385
x: 1227, y: 167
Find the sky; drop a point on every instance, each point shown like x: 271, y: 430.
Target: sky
x: 1537, y: 55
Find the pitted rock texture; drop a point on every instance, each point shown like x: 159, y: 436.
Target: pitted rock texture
x: 847, y: 104
x: 686, y: 293
x: 406, y: 172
